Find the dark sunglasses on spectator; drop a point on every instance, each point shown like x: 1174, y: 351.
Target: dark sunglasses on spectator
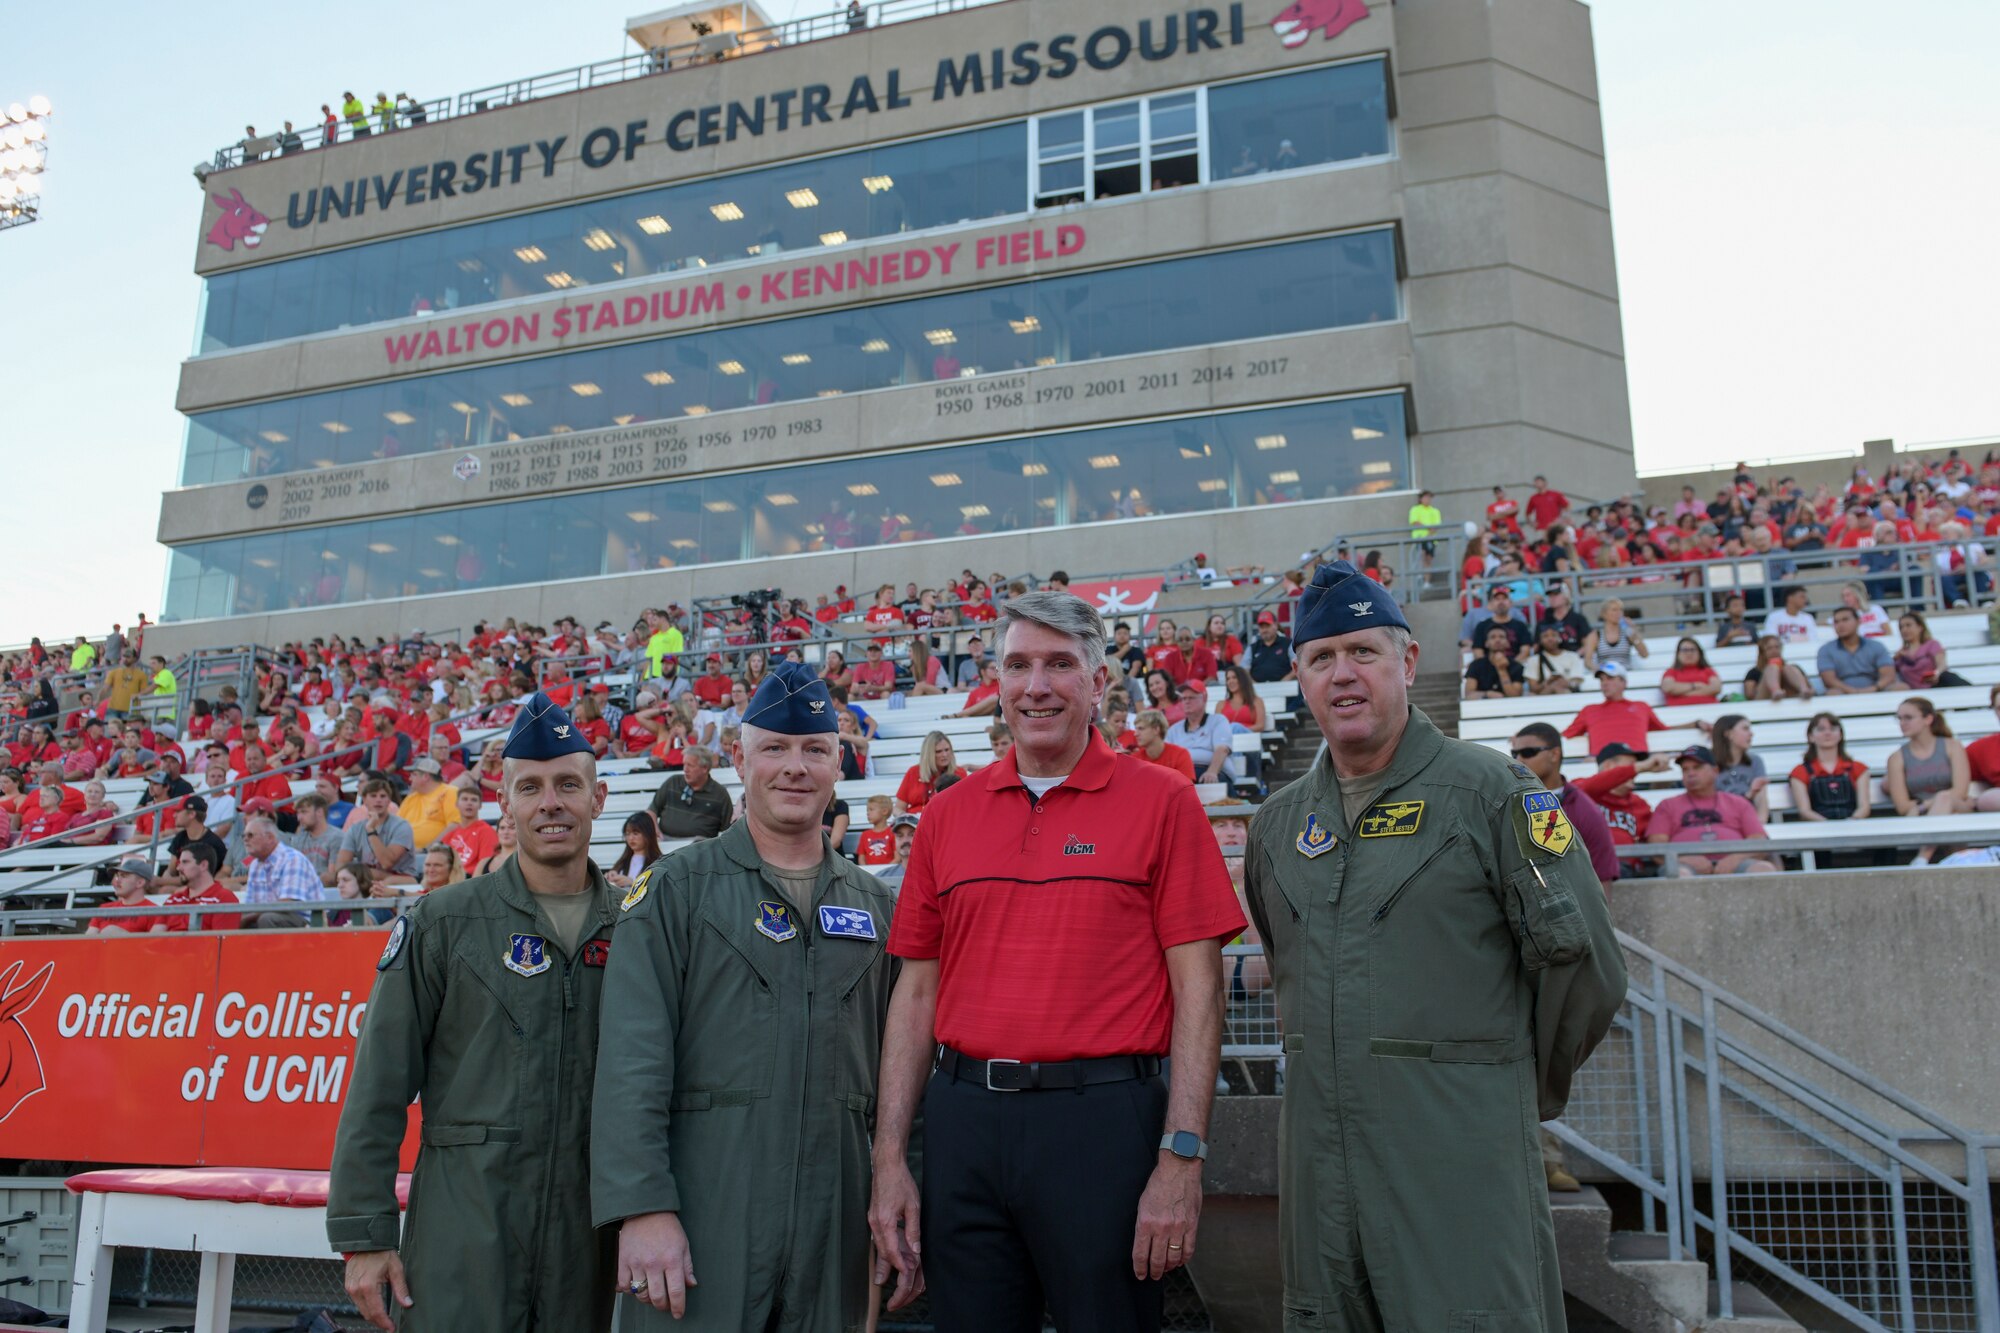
x: 1530, y: 751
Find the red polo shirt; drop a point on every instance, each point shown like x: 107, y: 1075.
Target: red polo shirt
x: 1050, y: 918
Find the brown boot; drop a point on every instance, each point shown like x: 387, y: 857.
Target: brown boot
x: 1561, y: 1181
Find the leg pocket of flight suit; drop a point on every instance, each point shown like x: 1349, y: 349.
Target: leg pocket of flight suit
x: 1493, y: 1321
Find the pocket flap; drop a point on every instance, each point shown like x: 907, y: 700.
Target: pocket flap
x: 706, y: 1101
x: 457, y: 1136
x: 860, y: 1101
x: 1497, y: 1051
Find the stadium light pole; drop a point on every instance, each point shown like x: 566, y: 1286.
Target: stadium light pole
x: 24, y: 153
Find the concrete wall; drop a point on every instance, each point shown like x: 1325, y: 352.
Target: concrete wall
x: 1892, y: 970
x: 1513, y: 282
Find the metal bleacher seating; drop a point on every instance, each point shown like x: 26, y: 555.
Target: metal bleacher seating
x: 1779, y: 727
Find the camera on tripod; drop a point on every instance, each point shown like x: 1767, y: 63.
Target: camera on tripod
x: 756, y: 601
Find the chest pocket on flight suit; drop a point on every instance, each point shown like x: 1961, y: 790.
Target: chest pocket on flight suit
x: 727, y: 1045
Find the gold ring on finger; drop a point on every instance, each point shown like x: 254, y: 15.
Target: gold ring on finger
x: 637, y: 1286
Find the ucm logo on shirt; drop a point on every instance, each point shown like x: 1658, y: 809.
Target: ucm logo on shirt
x: 1073, y: 846
x: 20, y: 1064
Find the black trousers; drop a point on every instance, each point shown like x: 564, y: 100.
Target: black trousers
x: 1031, y: 1199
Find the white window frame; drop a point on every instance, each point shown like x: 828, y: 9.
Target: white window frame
x: 1146, y: 141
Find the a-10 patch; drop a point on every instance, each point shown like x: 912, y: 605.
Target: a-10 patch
x: 1548, y: 827
x: 1391, y: 819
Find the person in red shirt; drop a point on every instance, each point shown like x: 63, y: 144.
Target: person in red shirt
x: 984, y: 698
x: 1619, y: 719
x: 921, y: 782
x: 1690, y: 680
x: 1983, y: 758
x: 1201, y: 666
x: 885, y: 614
x: 590, y: 724
x: 129, y: 886
x: 640, y: 727
x: 1020, y: 972
x: 1225, y: 647
x: 1149, y: 735
x: 713, y: 688
x: 314, y: 690
x: 197, y: 865
x: 876, y: 844
x: 1546, y: 505
x: 1165, y: 652
x: 1503, y: 514
x: 1628, y: 813
x: 45, y: 819
x: 875, y: 676
x: 260, y: 781
x: 470, y: 838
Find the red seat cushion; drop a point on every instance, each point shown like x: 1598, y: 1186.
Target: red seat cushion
x: 278, y: 1189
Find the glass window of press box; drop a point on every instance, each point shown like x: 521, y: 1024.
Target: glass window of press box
x: 1336, y: 113
x: 1187, y: 465
x: 1223, y: 296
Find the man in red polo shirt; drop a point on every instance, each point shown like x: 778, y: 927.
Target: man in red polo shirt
x: 713, y: 688
x: 1061, y: 924
x: 1617, y: 719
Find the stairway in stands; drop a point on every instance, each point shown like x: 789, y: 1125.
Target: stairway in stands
x: 1436, y: 694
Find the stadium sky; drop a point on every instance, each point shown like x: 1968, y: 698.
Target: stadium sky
x: 1803, y: 196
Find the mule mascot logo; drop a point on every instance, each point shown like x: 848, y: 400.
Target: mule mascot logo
x: 239, y: 222
x: 1297, y: 23
x: 20, y: 1065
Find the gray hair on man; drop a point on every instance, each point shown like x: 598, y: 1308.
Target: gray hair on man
x: 701, y: 754
x: 1063, y: 612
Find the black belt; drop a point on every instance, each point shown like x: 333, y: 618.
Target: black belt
x: 1033, y: 1075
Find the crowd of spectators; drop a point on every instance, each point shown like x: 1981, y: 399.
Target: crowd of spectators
x: 1522, y: 634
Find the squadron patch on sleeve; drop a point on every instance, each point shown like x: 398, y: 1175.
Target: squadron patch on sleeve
x: 1548, y: 827
x: 399, y: 935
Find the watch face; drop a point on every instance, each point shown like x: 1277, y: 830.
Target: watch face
x: 1186, y: 1144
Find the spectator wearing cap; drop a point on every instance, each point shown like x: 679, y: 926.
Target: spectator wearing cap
x: 191, y: 827
x: 691, y: 803
x: 1204, y: 735
x: 903, y: 828
x: 432, y: 806
x: 1500, y: 615
x: 1615, y: 718
x: 130, y: 884
x: 1701, y: 813
x: 278, y: 873
x: 1850, y: 664
x: 966, y: 674
x: 1550, y: 667
x: 712, y: 688
x: 874, y: 676
x: 1270, y: 651
x: 1626, y: 812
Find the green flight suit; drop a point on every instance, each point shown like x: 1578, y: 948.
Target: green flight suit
x: 736, y: 1084
x: 1441, y: 974
x: 498, y: 1237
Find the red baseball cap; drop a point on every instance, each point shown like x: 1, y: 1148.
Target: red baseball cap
x: 1266, y: 618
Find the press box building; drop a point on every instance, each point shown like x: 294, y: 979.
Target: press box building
x: 1012, y: 286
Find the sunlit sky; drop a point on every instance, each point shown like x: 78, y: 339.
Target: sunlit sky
x: 1803, y: 196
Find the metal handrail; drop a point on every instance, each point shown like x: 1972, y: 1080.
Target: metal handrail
x: 1688, y: 1037
x: 1840, y: 839
x: 730, y: 44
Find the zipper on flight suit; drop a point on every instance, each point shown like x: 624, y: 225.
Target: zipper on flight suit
x: 1396, y: 896
x: 555, y: 1102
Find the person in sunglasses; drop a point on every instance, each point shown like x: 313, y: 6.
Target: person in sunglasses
x: 1539, y: 746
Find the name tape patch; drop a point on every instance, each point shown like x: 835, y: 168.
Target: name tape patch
x: 850, y: 923
x: 1393, y: 819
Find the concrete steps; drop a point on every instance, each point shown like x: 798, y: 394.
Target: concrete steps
x: 1625, y: 1281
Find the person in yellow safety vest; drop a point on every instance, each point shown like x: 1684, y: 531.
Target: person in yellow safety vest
x: 385, y: 112
x: 1424, y: 517
x: 356, y: 115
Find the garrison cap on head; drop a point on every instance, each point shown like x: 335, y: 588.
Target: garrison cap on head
x: 791, y: 701
x: 542, y: 730
x: 1340, y: 600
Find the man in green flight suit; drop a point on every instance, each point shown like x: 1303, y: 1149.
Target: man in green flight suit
x: 486, y: 1005
x: 1444, y: 962
x: 736, y: 1068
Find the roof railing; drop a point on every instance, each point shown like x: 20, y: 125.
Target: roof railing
x: 703, y: 50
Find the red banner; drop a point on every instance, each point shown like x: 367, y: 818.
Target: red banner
x: 1117, y: 599
x: 182, y: 1050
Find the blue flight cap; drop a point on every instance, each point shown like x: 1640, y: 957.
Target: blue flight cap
x: 792, y: 701
x: 1339, y: 600
x: 542, y: 730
